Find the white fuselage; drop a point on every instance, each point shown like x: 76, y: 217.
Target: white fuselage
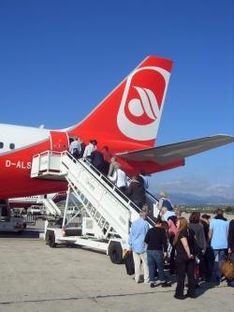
x: 15, y: 137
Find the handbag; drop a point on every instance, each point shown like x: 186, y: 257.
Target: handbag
x: 227, y: 268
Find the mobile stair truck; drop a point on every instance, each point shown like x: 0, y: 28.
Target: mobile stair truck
x: 104, y: 213
x: 8, y: 222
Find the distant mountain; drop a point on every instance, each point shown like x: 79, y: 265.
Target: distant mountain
x: 191, y: 199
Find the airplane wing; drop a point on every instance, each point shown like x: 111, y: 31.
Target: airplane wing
x: 167, y: 153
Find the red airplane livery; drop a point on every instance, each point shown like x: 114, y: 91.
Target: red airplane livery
x: 127, y: 121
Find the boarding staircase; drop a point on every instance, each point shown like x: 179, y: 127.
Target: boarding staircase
x: 51, y: 207
x: 110, y: 210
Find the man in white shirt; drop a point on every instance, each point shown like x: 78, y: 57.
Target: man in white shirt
x: 89, y: 149
x: 136, y: 239
x: 75, y: 148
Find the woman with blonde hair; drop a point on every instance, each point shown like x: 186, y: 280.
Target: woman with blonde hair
x: 184, y: 259
x: 119, y: 178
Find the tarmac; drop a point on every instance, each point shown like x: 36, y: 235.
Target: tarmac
x: 35, y: 277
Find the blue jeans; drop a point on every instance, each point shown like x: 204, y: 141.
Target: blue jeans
x: 155, y: 261
x: 219, y: 255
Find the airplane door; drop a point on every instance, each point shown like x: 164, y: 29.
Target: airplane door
x: 58, y: 141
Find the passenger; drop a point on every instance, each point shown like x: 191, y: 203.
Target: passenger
x: 106, y: 154
x: 218, y: 234
x: 136, y: 191
x: 156, y: 241
x: 75, y: 148
x: 164, y: 201
x: 184, y: 259
x: 89, y: 149
x: 165, y: 213
x: 165, y: 226
x: 205, y: 221
x: 97, y: 160
x: 137, y: 235
x: 198, y: 229
x: 82, y: 145
x: 107, y: 159
x: 207, y: 266
x: 143, y: 179
x: 230, y: 281
x: 178, y: 212
x: 113, y: 163
x: 172, y: 230
x: 145, y: 208
x: 119, y: 178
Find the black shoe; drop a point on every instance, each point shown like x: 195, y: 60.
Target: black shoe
x: 230, y: 282
x: 166, y: 284
x: 179, y: 297
x: 152, y: 285
x: 191, y: 296
x: 218, y: 280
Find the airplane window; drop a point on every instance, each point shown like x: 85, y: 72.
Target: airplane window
x: 1, y: 145
x: 12, y: 146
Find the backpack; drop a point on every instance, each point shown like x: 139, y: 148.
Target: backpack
x: 172, y: 227
x: 173, y: 219
x: 167, y: 204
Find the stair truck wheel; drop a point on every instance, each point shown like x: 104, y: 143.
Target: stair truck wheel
x: 115, y: 252
x: 50, y: 239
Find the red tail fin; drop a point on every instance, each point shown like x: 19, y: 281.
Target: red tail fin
x: 129, y: 117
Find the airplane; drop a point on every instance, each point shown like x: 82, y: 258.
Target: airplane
x: 28, y: 201
x: 126, y: 121
x: 25, y: 202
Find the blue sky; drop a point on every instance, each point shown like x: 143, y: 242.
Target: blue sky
x: 59, y: 59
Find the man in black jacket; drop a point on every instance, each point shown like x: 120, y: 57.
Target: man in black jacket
x: 136, y: 191
x: 97, y: 160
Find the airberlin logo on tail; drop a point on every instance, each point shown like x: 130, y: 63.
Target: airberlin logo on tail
x: 142, y: 108
x: 142, y: 102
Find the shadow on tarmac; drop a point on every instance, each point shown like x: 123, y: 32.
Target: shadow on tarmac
x: 23, y: 234
x: 31, y: 232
